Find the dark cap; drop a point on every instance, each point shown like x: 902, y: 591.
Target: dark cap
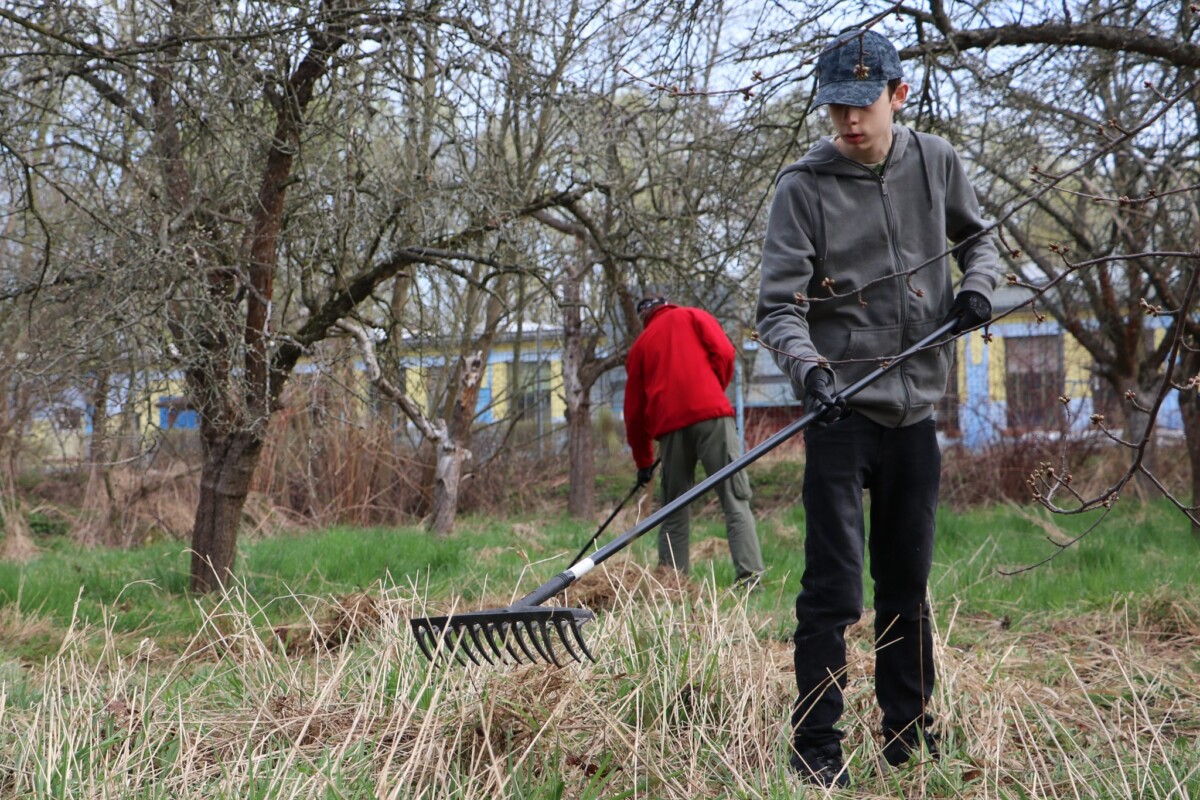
x: 855, y: 69
x: 648, y: 302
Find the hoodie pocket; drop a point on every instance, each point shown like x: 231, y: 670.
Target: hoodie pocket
x: 930, y: 369
x: 866, y: 349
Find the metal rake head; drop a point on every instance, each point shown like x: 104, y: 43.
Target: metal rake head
x: 522, y: 633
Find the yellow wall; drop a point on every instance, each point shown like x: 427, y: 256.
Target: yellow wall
x: 558, y: 400
x: 414, y: 387
x: 53, y: 443
x: 997, y: 389
x: 1076, y: 375
x: 499, y: 383
x: 962, y: 351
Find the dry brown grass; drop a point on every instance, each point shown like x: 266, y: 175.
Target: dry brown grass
x: 689, y: 699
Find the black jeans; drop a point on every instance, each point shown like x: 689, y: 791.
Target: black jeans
x: 901, y: 469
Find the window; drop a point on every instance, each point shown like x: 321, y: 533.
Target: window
x: 68, y: 418
x: 1033, y: 382
x: 177, y: 413
x: 529, y: 388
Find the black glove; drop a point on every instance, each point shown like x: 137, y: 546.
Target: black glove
x: 645, y: 474
x: 818, y: 395
x: 971, y: 309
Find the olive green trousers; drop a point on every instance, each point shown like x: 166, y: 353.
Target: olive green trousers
x: 713, y: 443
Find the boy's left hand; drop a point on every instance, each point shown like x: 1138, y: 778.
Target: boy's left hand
x: 971, y: 309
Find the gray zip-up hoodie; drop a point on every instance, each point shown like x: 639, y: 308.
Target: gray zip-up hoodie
x: 855, y: 269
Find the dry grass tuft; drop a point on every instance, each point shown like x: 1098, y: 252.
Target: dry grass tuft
x: 1170, y: 618
x: 622, y: 580
x: 18, y: 629
x: 350, y: 619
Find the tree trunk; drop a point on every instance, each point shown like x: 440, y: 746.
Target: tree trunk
x: 229, y: 463
x: 581, y: 497
x: 581, y: 494
x: 99, y: 507
x: 446, y: 482
x: 454, y: 450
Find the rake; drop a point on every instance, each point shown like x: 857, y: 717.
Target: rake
x: 526, y: 630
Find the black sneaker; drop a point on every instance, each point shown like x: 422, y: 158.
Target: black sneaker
x: 899, y: 746
x: 821, y: 766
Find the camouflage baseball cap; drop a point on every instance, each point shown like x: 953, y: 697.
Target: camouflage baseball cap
x: 855, y: 69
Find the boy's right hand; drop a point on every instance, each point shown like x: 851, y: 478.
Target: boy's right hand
x: 819, y: 397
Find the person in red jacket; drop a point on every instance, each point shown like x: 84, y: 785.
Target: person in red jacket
x: 677, y: 372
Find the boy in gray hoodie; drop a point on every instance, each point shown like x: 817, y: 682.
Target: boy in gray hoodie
x: 854, y: 270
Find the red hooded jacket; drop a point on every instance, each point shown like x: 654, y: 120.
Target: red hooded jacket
x: 677, y: 371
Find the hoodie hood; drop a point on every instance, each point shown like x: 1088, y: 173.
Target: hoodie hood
x: 824, y: 158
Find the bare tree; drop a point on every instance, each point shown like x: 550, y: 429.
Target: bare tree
x: 242, y: 129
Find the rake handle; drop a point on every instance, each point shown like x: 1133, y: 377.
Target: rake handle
x: 564, y: 579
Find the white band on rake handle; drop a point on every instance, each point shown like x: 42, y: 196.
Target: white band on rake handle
x: 582, y: 568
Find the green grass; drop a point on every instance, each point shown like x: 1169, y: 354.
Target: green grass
x: 993, y: 558
x: 1137, y: 551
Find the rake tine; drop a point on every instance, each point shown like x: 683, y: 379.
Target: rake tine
x: 562, y: 635
x: 448, y: 643
x: 537, y: 642
x: 474, y: 631
x: 579, y: 638
x: 456, y: 646
x: 516, y: 630
x: 506, y: 636
x: 545, y: 629
x: 423, y: 634
x: 496, y: 648
x: 497, y: 636
x: 574, y: 626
